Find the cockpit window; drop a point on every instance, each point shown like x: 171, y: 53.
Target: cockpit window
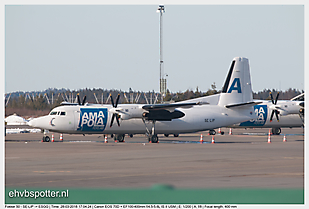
x: 58, y: 113
x: 62, y: 113
x: 53, y: 113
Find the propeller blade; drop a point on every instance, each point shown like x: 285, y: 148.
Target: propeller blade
x: 117, y: 100
x: 272, y: 115
x: 272, y: 99
x: 112, y: 120
x: 276, y: 98
x: 78, y: 100
x: 112, y: 100
x: 117, y: 119
x: 84, y: 100
x: 277, y: 116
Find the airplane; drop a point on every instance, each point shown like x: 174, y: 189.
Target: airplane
x: 286, y: 107
x: 301, y: 97
x: 262, y: 110
x: 235, y: 105
x: 291, y: 113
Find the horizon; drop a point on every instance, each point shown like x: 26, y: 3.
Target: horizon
x: 121, y: 90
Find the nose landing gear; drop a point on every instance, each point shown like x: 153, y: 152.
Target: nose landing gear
x: 45, y: 137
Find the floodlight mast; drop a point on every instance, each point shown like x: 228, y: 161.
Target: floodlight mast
x: 161, y: 10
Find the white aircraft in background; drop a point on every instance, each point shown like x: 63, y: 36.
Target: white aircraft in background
x: 291, y: 113
x: 234, y: 106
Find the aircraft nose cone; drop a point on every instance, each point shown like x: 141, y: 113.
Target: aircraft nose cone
x: 40, y: 122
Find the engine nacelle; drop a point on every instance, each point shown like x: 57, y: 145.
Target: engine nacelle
x: 163, y: 115
x: 125, y: 116
x: 283, y: 113
x: 128, y: 112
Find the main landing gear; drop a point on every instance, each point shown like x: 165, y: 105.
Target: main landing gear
x: 119, y: 137
x: 175, y: 135
x: 152, y: 137
x: 276, y: 131
x: 212, y: 132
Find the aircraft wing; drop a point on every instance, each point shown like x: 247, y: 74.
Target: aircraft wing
x: 76, y: 104
x: 299, y: 97
x: 68, y: 103
x: 171, y: 107
x: 166, y: 112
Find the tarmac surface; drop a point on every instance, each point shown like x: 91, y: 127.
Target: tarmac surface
x: 242, y: 160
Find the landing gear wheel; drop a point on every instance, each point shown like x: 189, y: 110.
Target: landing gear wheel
x: 154, y: 139
x: 276, y: 131
x: 212, y: 132
x: 166, y: 135
x: 176, y: 135
x: 46, y: 139
x: 119, y: 137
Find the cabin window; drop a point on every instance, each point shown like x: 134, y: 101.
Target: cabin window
x: 53, y: 113
x: 62, y: 113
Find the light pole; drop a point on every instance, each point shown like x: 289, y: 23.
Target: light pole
x: 161, y: 10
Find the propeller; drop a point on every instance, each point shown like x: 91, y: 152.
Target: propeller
x: 115, y: 115
x: 78, y: 100
x: 274, y: 111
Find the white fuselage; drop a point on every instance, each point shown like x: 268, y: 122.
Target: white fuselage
x: 96, y: 120
x: 233, y: 105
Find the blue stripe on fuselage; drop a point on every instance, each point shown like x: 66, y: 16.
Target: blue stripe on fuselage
x: 261, y: 113
x: 92, y: 119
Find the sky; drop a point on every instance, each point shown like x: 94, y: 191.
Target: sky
x: 117, y: 46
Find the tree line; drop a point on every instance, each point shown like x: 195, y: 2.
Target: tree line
x: 33, y: 103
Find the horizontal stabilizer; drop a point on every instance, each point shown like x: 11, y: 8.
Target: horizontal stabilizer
x: 246, y: 104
